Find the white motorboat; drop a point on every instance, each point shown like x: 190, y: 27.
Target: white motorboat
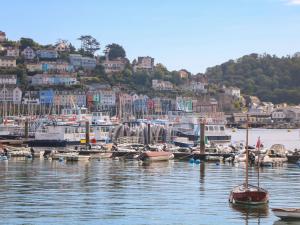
x: 276, y: 155
x: 287, y: 213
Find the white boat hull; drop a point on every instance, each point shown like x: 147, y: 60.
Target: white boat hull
x: 287, y: 214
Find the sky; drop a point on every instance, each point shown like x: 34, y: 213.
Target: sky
x: 189, y: 34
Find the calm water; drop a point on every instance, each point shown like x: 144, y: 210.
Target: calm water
x: 269, y: 137
x: 128, y: 192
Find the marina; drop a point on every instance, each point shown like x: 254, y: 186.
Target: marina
x: 110, y: 191
x: 112, y: 185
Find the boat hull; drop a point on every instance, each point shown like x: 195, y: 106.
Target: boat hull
x: 183, y: 145
x: 156, y: 156
x: 287, y: 213
x: 249, y: 196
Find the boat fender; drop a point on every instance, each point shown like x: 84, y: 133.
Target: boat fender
x: 192, y: 160
x: 217, y: 164
x: 61, y: 159
x: 197, y: 161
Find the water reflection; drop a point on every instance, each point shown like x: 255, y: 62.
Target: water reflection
x: 130, y: 192
x: 253, y: 213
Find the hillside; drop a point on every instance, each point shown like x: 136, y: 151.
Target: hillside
x: 269, y: 77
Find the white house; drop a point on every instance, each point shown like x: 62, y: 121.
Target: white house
x: 12, y: 52
x: 6, y: 61
x: 278, y: 115
x: 28, y: 53
x: 78, y: 61
x: 233, y: 91
x: 162, y: 85
x: 8, y: 79
x: 11, y: 94
x: 17, y: 95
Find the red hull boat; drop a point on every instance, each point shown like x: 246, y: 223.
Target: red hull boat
x: 249, y: 194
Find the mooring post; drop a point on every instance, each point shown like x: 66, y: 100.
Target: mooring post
x: 26, y: 129
x: 202, y: 138
x: 87, y: 133
x: 149, y: 134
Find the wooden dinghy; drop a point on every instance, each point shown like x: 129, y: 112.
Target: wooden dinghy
x: 249, y: 195
x: 155, y: 156
x: 287, y: 213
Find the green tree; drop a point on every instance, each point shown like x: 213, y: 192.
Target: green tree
x: 115, y: 51
x: 28, y: 42
x: 89, y: 45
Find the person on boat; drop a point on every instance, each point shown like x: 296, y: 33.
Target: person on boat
x: 32, y: 151
x: 251, y: 157
x: 164, y: 147
x: 5, y: 152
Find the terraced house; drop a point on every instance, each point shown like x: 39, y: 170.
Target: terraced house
x: 7, y: 61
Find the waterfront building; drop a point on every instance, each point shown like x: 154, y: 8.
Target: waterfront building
x: 253, y: 117
x: 28, y: 53
x: 69, y: 99
x: 162, y: 85
x: 17, y: 95
x: 31, y: 98
x: 7, y: 61
x: 292, y: 114
x: 107, y: 99
x: 140, y: 104
x: 125, y: 102
x: 12, y: 52
x: 278, y: 115
x: 78, y: 61
x: 145, y: 63
x: 80, y: 97
x: 157, y: 109
x: 8, y: 79
x: 2, y: 36
x: 10, y: 94
x: 184, y: 104
x: 205, y: 105
x: 46, y: 96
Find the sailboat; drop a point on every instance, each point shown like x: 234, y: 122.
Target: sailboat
x: 246, y: 193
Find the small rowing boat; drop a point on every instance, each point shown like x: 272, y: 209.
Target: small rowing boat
x: 154, y: 156
x: 287, y: 213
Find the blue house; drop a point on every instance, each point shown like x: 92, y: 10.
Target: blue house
x: 47, y: 54
x: 46, y: 96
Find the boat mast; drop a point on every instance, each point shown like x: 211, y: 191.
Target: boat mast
x: 247, y: 152
x: 258, y: 167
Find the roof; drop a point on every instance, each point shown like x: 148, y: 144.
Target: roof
x: 7, y: 57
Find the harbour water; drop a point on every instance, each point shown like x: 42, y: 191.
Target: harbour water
x: 128, y: 192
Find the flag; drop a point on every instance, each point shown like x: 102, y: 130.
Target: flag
x: 258, y: 143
